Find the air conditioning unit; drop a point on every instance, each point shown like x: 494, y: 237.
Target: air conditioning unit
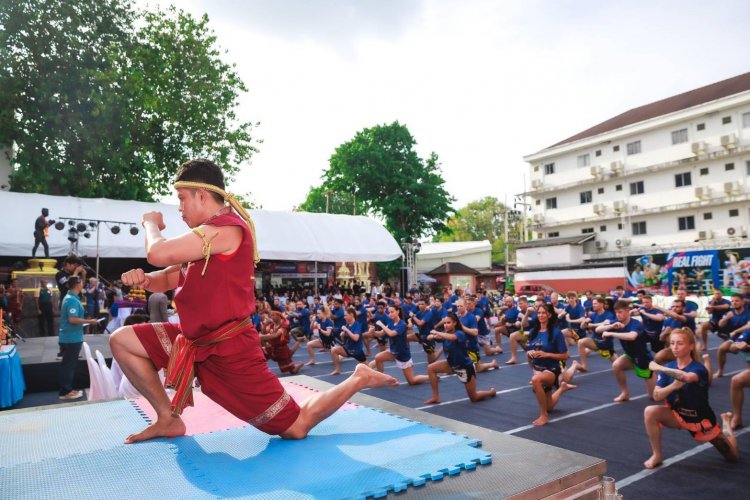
x: 600, y: 208
x: 601, y: 244
x: 616, y: 167
x: 737, y: 232
x: 623, y: 242
x: 699, y: 148
x: 538, y: 218
x: 620, y: 206
x: 732, y: 187
x: 536, y: 184
x: 729, y: 141
x: 705, y: 235
x: 597, y: 171
x: 703, y: 192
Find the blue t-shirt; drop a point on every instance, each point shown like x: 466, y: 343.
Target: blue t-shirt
x: 691, y: 400
x: 737, y: 320
x: 470, y: 321
x: 398, y: 344
x: 256, y: 319
x: 588, y: 305
x: 481, y: 322
x: 597, y: 319
x: 511, y: 316
x: 543, y: 341
x: 304, y: 319
x: 456, y: 351
x: 71, y: 308
x: 362, y: 317
x: 382, y: 317
x: 636, y: 349
x: 575, y: 312
x: 324, y: 327
x: 717, y: 314
x: 429, y: 322
x: 354, y: 346
x: 338, y: 318
x: 653, y: 327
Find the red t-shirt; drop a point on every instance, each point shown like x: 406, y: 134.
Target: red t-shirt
x: 226, y: 292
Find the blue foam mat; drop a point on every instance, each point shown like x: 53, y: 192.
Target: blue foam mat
x: 353, y: 454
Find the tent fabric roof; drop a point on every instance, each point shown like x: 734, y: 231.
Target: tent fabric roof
x: 295, y: 236
x: 454, y: 248
x: 453, y: 268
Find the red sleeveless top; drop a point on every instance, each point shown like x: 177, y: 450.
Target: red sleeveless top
x: 226, y: 292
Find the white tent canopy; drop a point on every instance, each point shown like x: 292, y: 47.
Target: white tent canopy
x: 294, y: 236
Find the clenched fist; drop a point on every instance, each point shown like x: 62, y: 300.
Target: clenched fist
x: 135, y: 277
x: 155, y: 217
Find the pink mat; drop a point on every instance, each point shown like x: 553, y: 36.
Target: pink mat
x: 207, y: 416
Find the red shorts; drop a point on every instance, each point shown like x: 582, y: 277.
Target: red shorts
x: 233, y: 373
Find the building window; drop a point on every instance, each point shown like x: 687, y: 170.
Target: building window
x: 747, y: 167
x: 618, y: 187
x: 536, y: 168
x: 683, y: 179
x: 735, y: 212
x: 728, y: 167
x: 601, y: 190
x: 602, y: 229
x: 538, y: 202
x: 679, y: 136
x: 636, y: 187
x: 539, y: 236
x: 619, y: 226
x: 726, y: 120
x: 551, y: 203
x: 586, y: 197
x: 746, y: 119
x: 708, y: 216
x: 616, y: 149
x: 639, y: 228
x: 549, y: 168
x: 584, y: 160
x: 704, y: 171
x: 700, y: 126
x: 599, y: 151
x: 634, y: 148
x: 553, y: 234
x: 686, y: 223
x: 587, y: 230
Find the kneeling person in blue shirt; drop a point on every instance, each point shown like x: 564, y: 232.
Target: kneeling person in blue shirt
x: 353, y: 343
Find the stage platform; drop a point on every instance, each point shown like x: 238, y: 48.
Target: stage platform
x: 411, y: 451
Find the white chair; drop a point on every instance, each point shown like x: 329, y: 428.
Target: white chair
x: 116, y: 372
x: 126, y: 389
x: 110, y: 389
x: 96, y: 389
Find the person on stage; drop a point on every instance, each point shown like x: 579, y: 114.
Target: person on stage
x: 684, y: 384
x: 41, y: 231
x: 212, y: 268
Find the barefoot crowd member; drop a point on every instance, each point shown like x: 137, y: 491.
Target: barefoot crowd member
x: 653, y: 322
x: 574, y: 316
x: 212, y: 267
x: 717, y: 307
x: 457, y: 361
x: 374, y: 330
x: 675, y: 317
x: 483, y: 330
x: 546, y: 350
x: 470, y: 326
x: 508, y: 321
x: 741, y: 381
x: 424, y: 320
x: 518, y: 337
x: 683, y: 383
x: 275, y: 342
x: 636, y: 354
x: 324, y: 328
x: 599, y: 316
x: 353, y: 343
x: 399, y: 351
x: 733, y: 322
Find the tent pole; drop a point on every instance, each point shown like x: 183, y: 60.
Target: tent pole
x: 315, y: 292
x: 98, y: 227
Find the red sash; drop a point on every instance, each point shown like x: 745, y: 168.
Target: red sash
x: 181, y: 368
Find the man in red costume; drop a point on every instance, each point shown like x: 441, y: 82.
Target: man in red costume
x: 211, y: 269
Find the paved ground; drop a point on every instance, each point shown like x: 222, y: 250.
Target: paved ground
x: 586, y: 420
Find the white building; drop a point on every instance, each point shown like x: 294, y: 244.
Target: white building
x: 475, y: 254
x: 673, y: 174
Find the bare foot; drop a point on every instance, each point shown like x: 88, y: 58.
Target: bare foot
x: 735, y: 422
x: 581, y: 368
x: 494, y: 364
x: 567, y: 387
x: 296, y: 368
x: 335, y: 372
x: 624, y: 396
x: 652, y: 462
x: 310, y: 363
x: 373, y: 378
x: 511, y: 362
x: 163, y: 427
x: 542, y: 420
x: 492, y: 392
x: 718, y: 374
x: 432, y: 401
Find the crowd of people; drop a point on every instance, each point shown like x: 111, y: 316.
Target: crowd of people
x: 664, y: 346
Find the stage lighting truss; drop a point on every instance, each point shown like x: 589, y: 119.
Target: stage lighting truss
x: 87, y: 227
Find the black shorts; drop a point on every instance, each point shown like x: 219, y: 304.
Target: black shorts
x: 464, y: 373
x: 427, y: 345
x: 327, y: 341
x: 360, y: 356
x: 299, y: 333
x: 557, y: 370
x: 655, y: 344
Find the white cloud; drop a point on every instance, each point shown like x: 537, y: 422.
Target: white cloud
x: 481, y: 83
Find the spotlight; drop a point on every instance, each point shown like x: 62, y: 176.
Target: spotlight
x: 81, y: 227
x: 115, y: 229
x: 133, y: 230
x: 72, y: 235
x: 92, y: 225
x: 59, y: 225
x: 71, y: 223
x: 87, y: 235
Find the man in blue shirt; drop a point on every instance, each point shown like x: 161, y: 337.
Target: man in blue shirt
x: 71, y: 337
x: 424, y: 319
x: 717, y: 307
x: 471, y: 327
x: 653, y: 321
x: 636, y: 354
x: 509, y: 322
x: 734, y: 323
x: 574, y: 316
x: 519, y: 336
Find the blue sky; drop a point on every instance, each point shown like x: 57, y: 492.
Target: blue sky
x: 481, y: 83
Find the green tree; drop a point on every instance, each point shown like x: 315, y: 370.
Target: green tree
x: 381, y: 169
x: 483, y: 219
x: 322, y: 199
x: 98, y: 107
